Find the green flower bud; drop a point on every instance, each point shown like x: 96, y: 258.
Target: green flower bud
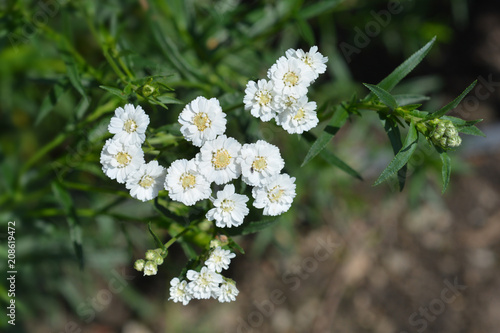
x: 444, y: 134
x: 139, y: 265
x: 454, y: 141
x: 150, y: 268
x: 148, y: 90
x: 151, y: 254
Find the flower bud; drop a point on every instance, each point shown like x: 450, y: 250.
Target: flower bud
x: 139, y: 265
x: 150, y: 268
x: 148, y: 90
x: 151, y: 255
x: 444, y: 134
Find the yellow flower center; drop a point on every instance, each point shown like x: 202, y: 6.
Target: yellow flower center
x: 300, y: 114
x: 146, y: 181
x: 275, y: 193
x: 188, y: 180
x: 290, y: 100
x: 259, y: 164
x: 123, y: 159
x: 290, y: 79
x: 201, y: 121
x: 227, y: 205
x: 307, y: 60
x: 130, y: 126
x: 221, y: 159
x: 264, y: 97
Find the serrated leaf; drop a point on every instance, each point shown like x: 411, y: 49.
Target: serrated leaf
x: 334, y: 160
x: 404, y: 69
x: 470, y: 130
x: 115, y: 91
x: 157, y: 240
x: 50, y: 101
x: 338, y: 120
x: 453, y: 104
x: 383, y: 96
x: 402, y: 157
x: 446, y: 169
x: 407, y: 99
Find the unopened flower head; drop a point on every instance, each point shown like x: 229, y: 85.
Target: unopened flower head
x: 276, y: 196
x: 259, y: 99
x: 313, y: 59
x: 185, y: 183
x: 290, y: 77
x: 227, y: 291
x: 120, y: 160
x: 299, y: 119
x: 218, y: 159
x: 219, y: 259
x: 202, y: 120
x: 129, y: 125
x: 260, y: 161
x: 139, y: 265
x: 179, y: 292
x: 444, y: 134
x: 150, y: 268
x: 145, y: 183
x: 229, y: 209
x: 204, y: 284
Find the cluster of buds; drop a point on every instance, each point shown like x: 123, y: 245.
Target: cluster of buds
x: 149, y: 265
x: 444, y: 134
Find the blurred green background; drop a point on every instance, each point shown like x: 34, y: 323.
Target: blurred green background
x: 78, y: 232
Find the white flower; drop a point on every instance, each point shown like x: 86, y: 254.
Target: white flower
x: 260, y: 161
x: 300, y: 118
x: 202, y: 120
x: 179, y: 291
x: 145, y: 183
x: 204, y: 284
x: 259, y: 99
x: 290, y: 77
x: 185, y: 183
x: 284, y: 103
x: 120, y: 160
x: 230, y: 208
x: 276, y: 196
x: 150, y: 268
x: 219, y: 259
x: 227, y: 292
x: 129, y: 125
x: 218, y: 159
x: 315, y: 60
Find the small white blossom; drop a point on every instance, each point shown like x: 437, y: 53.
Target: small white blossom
x: 129, y: 125
x: 185, y: 183
x: 202, y: 120
x: 276, y: 196
x: 299, y: 119
x: 259, y: 99
x: 139, y: 264
x: 204, y: 284
x: 179, y: 292
x: 219, y: 259
x: 218, y: 159
x: 119, y: 160
x: 284, y: 103
x: 227, y: 292
x: 145, y: 183
x: 313, y: 59
x: 150, y: 268
x: 260, y: 161
x: 229, y: 209
x: 290, y: 77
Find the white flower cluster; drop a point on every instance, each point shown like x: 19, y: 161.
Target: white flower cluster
x: 222, y: 159
x: 208, y: 282
x: 283, y: 96
x: 122, y: 157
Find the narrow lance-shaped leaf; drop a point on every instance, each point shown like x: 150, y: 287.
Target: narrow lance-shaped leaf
x: 446, y: 169
x: 470, y: 130
x: 383, y: 96
x: 407, y: 99
x: 338, y: 120
x: 334, y: 160
x: 50, y: 101
x: 453, y: 104
x: 394, y: 135
x: 158, y: 242
x: 402, y: 157
x: 404, y: 69
x: 115, y: 91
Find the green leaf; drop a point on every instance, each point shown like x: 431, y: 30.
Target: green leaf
x: 383, y: 96
x: 470, y: 130
x: 404, y: 69
x: 402, y: 157
x: 251, y: 227
x: 235, y: 246
x: 75, y: 230
x: 158, y: 242
x: 407, y: 99
x: 306, y: 31
x: 334, y: 160
x: 318, y: 8
x: 50, y: 101
x: 446, y: 169
x: 115, y: 91
x: 72, y: 72
x: 338, y: 120
x: 394, y: 135
x: 166, y: 99
x: 168, y: 214
x: 453, y: 104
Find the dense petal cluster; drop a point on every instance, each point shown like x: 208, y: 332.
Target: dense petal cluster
x: 229, y: 208
x: 147, y: 181
x: 186, y: 183
x: 129, y: 125
x: 119, y: 159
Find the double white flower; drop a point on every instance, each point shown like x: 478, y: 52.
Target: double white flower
x: 185, y: 182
